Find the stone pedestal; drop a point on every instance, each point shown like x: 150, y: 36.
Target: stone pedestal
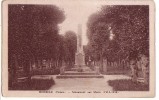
x: 79, y: 60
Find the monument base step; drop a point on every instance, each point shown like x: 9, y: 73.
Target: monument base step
x: 83, y: 69
x: 79, y: 73
x: 79, y: 76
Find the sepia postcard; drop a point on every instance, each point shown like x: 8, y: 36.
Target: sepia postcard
x: 78, y: 48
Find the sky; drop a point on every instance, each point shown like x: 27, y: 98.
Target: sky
x: 77, y: 13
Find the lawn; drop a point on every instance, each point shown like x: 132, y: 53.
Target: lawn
x: 45, y: 72
x: 118, y: 71
x: 127, y: 85
x: 34, y: 84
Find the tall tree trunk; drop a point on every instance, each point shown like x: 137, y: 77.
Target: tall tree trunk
x: 14, y: 70
x: 105, y: 66
x: 101, y: 62
x: 51, y: 63
x: 39, y: 63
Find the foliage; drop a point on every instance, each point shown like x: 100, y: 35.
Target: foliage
x: 70, y: 46
x: 129, y: 26
x: 33, y: 29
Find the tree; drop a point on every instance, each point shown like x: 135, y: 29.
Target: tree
x: 33, y: 34
x: 70, y: 46
x: 129, y: 26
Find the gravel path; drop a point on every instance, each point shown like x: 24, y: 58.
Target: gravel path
x: 83, y: 83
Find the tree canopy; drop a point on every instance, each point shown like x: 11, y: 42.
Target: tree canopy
x: 129, y: 26
x: 33, y: 35
x: 33, y: 29
x: 70, y: 46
